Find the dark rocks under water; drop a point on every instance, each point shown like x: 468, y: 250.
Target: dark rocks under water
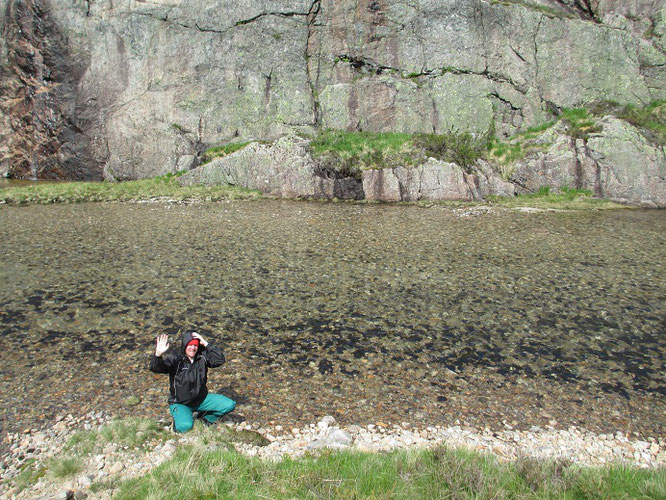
x: 366, y: 312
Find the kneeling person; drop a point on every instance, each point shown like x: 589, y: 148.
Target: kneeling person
x: 188, y: 374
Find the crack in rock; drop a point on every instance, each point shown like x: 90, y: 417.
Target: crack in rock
x: 279, y: 14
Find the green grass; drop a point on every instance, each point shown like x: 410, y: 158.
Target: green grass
x: 352, y: 152
x: 650, y: 119
x: 223, y: 150
x: 349, y: 153
x: 103, y: 485
x: 564, y: 199
x: 63, y: 468
x: 144, y: 189
x: 505, y: 154
x: 134, y: 433
x: 29, y: 474
x: 462, y: 148
x: 437, y: 473
x: 580, y: 122
x: 534, y: 131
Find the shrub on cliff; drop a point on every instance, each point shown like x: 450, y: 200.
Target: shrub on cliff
x: 461, y: 148
x: 352, y: 152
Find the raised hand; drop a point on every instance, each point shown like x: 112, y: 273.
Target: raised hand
x: 162, y: 345
x: 195, y: 335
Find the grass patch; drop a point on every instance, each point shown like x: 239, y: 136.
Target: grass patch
x: 565, y: 199
x: 99, y: 486
x: 349, y: 153
x: 195, y: 472
x: 534, y: 131
x: 462, y: 148
x: 580, y: 122
x: 63, y: 468
x: 223, y: 150
x: 650, y: 119
x: 144, y: 189
x: 352, y: 152
x: 505, y: 154
x: 29, y: 474
x: 134, y: 433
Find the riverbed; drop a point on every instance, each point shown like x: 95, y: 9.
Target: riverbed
x: 371, y: 313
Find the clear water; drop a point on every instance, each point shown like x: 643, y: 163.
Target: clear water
x: 366, y: 312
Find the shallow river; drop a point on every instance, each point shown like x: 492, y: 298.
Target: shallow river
x: 370, y: 313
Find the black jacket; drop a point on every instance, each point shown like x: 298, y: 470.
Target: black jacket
x: 187, y: 381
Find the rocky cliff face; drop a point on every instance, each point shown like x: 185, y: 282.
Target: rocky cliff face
x: 133, y: 88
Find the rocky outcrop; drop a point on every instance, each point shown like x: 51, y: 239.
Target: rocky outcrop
x: 137, y: 89
x: 434, y: 180
x: 286, y: 169
x: 618, y: 163
x: 40, y: 134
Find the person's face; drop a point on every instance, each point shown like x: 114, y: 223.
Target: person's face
x: 191, y: 350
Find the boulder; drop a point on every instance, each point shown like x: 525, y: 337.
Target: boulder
x: 282, y: 169
x: 434, y: 180
x: 618, y: 163
x: 333, y: 437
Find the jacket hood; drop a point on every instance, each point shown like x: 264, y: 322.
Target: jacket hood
x: 187, y: 336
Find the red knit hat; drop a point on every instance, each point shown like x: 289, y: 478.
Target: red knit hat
x: 193, y: 341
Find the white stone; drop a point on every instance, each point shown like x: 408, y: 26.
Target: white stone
x: 116, y: 468
x: 325, y: 422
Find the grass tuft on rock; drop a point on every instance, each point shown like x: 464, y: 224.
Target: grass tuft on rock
x: 163, y: 187
x: 352, y: 152
x: 349, y: 153
x: 462, y: 148
x: 650, y: 119
x: 63, y: 468
x: 580, y: 122
x: 222, y: 150
x: 505, y: 154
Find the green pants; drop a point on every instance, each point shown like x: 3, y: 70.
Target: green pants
x: 211, y: 408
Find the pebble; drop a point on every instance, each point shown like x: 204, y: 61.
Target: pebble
x: 116, y: 468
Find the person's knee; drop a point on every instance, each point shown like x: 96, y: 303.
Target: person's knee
x: 183, y: 426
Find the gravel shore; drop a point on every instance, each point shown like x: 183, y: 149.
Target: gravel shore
x: 114, y: 461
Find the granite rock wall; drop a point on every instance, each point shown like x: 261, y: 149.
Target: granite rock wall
x: 125, y: 89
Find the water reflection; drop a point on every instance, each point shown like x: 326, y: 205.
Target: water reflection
x: 363, y: 311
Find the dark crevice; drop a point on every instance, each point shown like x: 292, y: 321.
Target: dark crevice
x: 578, y: 183
x: 363, y: 64
x: 279, y: 14
x: 582, y: 8
x: 370, y: 67
x: 195, y: 26
x: 517, y: 54
x: 313, y: 80
x: 598, y: 189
